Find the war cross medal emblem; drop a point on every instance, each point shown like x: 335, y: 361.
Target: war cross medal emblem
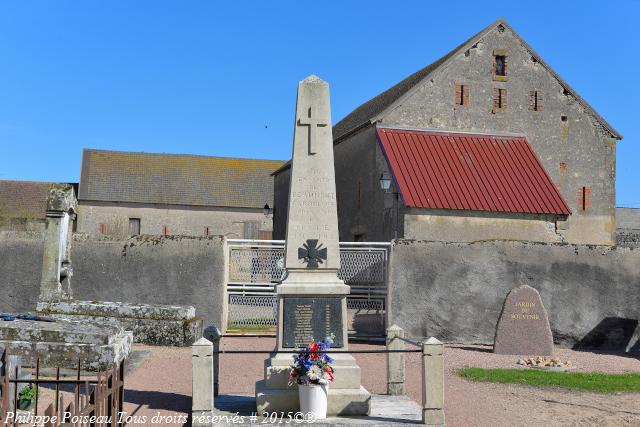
x: 312, y: 253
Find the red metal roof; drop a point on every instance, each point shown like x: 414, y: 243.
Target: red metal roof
x: 440, y: 170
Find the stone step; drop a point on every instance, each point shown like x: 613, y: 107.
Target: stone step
x: 384, y: 411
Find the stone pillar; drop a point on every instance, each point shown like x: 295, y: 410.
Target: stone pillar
x: 213, y: 334
x: 433, y: 382
x: 202, y: 377
x: 395, y: 361
x: 56, y: 260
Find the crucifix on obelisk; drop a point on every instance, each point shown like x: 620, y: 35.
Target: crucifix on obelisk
x: 312, y: 299
x: 313, y: 123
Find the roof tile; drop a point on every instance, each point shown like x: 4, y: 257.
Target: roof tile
x: 176, y: 179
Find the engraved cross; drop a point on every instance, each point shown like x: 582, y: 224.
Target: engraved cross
x: 313, y: 123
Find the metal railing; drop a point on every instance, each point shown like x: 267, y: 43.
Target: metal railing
x: 97, y: 401
x: 256, y: 266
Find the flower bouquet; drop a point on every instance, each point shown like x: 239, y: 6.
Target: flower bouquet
x: 313, y: 372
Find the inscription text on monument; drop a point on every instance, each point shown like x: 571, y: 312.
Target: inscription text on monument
x: 308, y: 318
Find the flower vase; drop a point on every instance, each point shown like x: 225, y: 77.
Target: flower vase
x: 313, y: 400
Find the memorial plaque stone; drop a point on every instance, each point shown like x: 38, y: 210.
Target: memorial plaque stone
x: 523, y: 327
x: 306, y: 319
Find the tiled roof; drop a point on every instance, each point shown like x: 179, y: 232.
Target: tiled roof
x: 176, y: 179
x: 439, y: 170
x: 373, y: 109
x: 23, y: 199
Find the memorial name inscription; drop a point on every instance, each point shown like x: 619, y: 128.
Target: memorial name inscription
x: 308, y: 318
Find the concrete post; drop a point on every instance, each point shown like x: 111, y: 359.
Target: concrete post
x: 433, y: 382
x: 395, y: 361
x: 213, y: 334
x: 202, y: 377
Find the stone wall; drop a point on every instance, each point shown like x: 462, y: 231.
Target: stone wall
x: 20, y: 269
x: 144, y: 269
x: 178, y: 220
x: 455, y: 291
x: 628, y: 227
x: 466, y: 226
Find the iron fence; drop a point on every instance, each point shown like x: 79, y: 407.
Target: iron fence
x: 96, y: 401
x: 256, y: 266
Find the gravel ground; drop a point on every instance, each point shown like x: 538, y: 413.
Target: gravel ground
x: 162, y: 385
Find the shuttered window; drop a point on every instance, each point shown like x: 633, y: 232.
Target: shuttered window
x: 535, y: 100
x: 584, y: 199
x: 462, y: 95
x: 499, y: 99
x: 134, y: 226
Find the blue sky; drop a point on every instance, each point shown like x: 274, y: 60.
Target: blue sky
x: 215, y: 78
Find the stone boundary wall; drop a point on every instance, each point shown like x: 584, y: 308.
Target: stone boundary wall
x: 173, y: 270
x: 455, y: 291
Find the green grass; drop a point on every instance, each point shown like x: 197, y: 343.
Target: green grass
x: 596, y: 382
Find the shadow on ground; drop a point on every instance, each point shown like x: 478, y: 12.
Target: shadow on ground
x: 159, y: 400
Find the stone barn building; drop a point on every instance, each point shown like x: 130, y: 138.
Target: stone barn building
x: 488, y: 142
x: 23, y: 205
x: 123, y: 194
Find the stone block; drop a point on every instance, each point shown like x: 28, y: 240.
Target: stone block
x: 151, y: 324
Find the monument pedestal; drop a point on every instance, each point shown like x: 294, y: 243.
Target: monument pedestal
x: 309, y: 307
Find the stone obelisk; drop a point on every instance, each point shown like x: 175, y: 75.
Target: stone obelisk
x: 312, y: 300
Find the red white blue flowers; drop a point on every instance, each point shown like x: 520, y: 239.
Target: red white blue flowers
x: 312, y: 365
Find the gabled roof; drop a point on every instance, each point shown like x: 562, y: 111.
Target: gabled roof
x: 373, y: 109
x: 24, y: 199
x: 176, y: 179
x: 441, y: 170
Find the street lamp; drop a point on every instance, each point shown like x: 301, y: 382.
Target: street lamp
x: 266, y: 210
x: 385, y: 181
x: 385, y: 185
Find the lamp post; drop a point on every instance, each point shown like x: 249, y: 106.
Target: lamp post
x: 385, y: 185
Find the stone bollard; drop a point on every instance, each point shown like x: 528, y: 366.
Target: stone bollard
x: 202, y: 377
x: 213, y: 334
x: 433, y: 382
x: 395, y: 361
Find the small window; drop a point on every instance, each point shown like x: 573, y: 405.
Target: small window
x: 501, y: 65
x: 165, y: 230
x: 134, y: 226
x: 584, y: 199
x: 102, y: 228
x: 499, y: 99
x: 535, y: 100
x: 207, y: 231
x: 462, y: 95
